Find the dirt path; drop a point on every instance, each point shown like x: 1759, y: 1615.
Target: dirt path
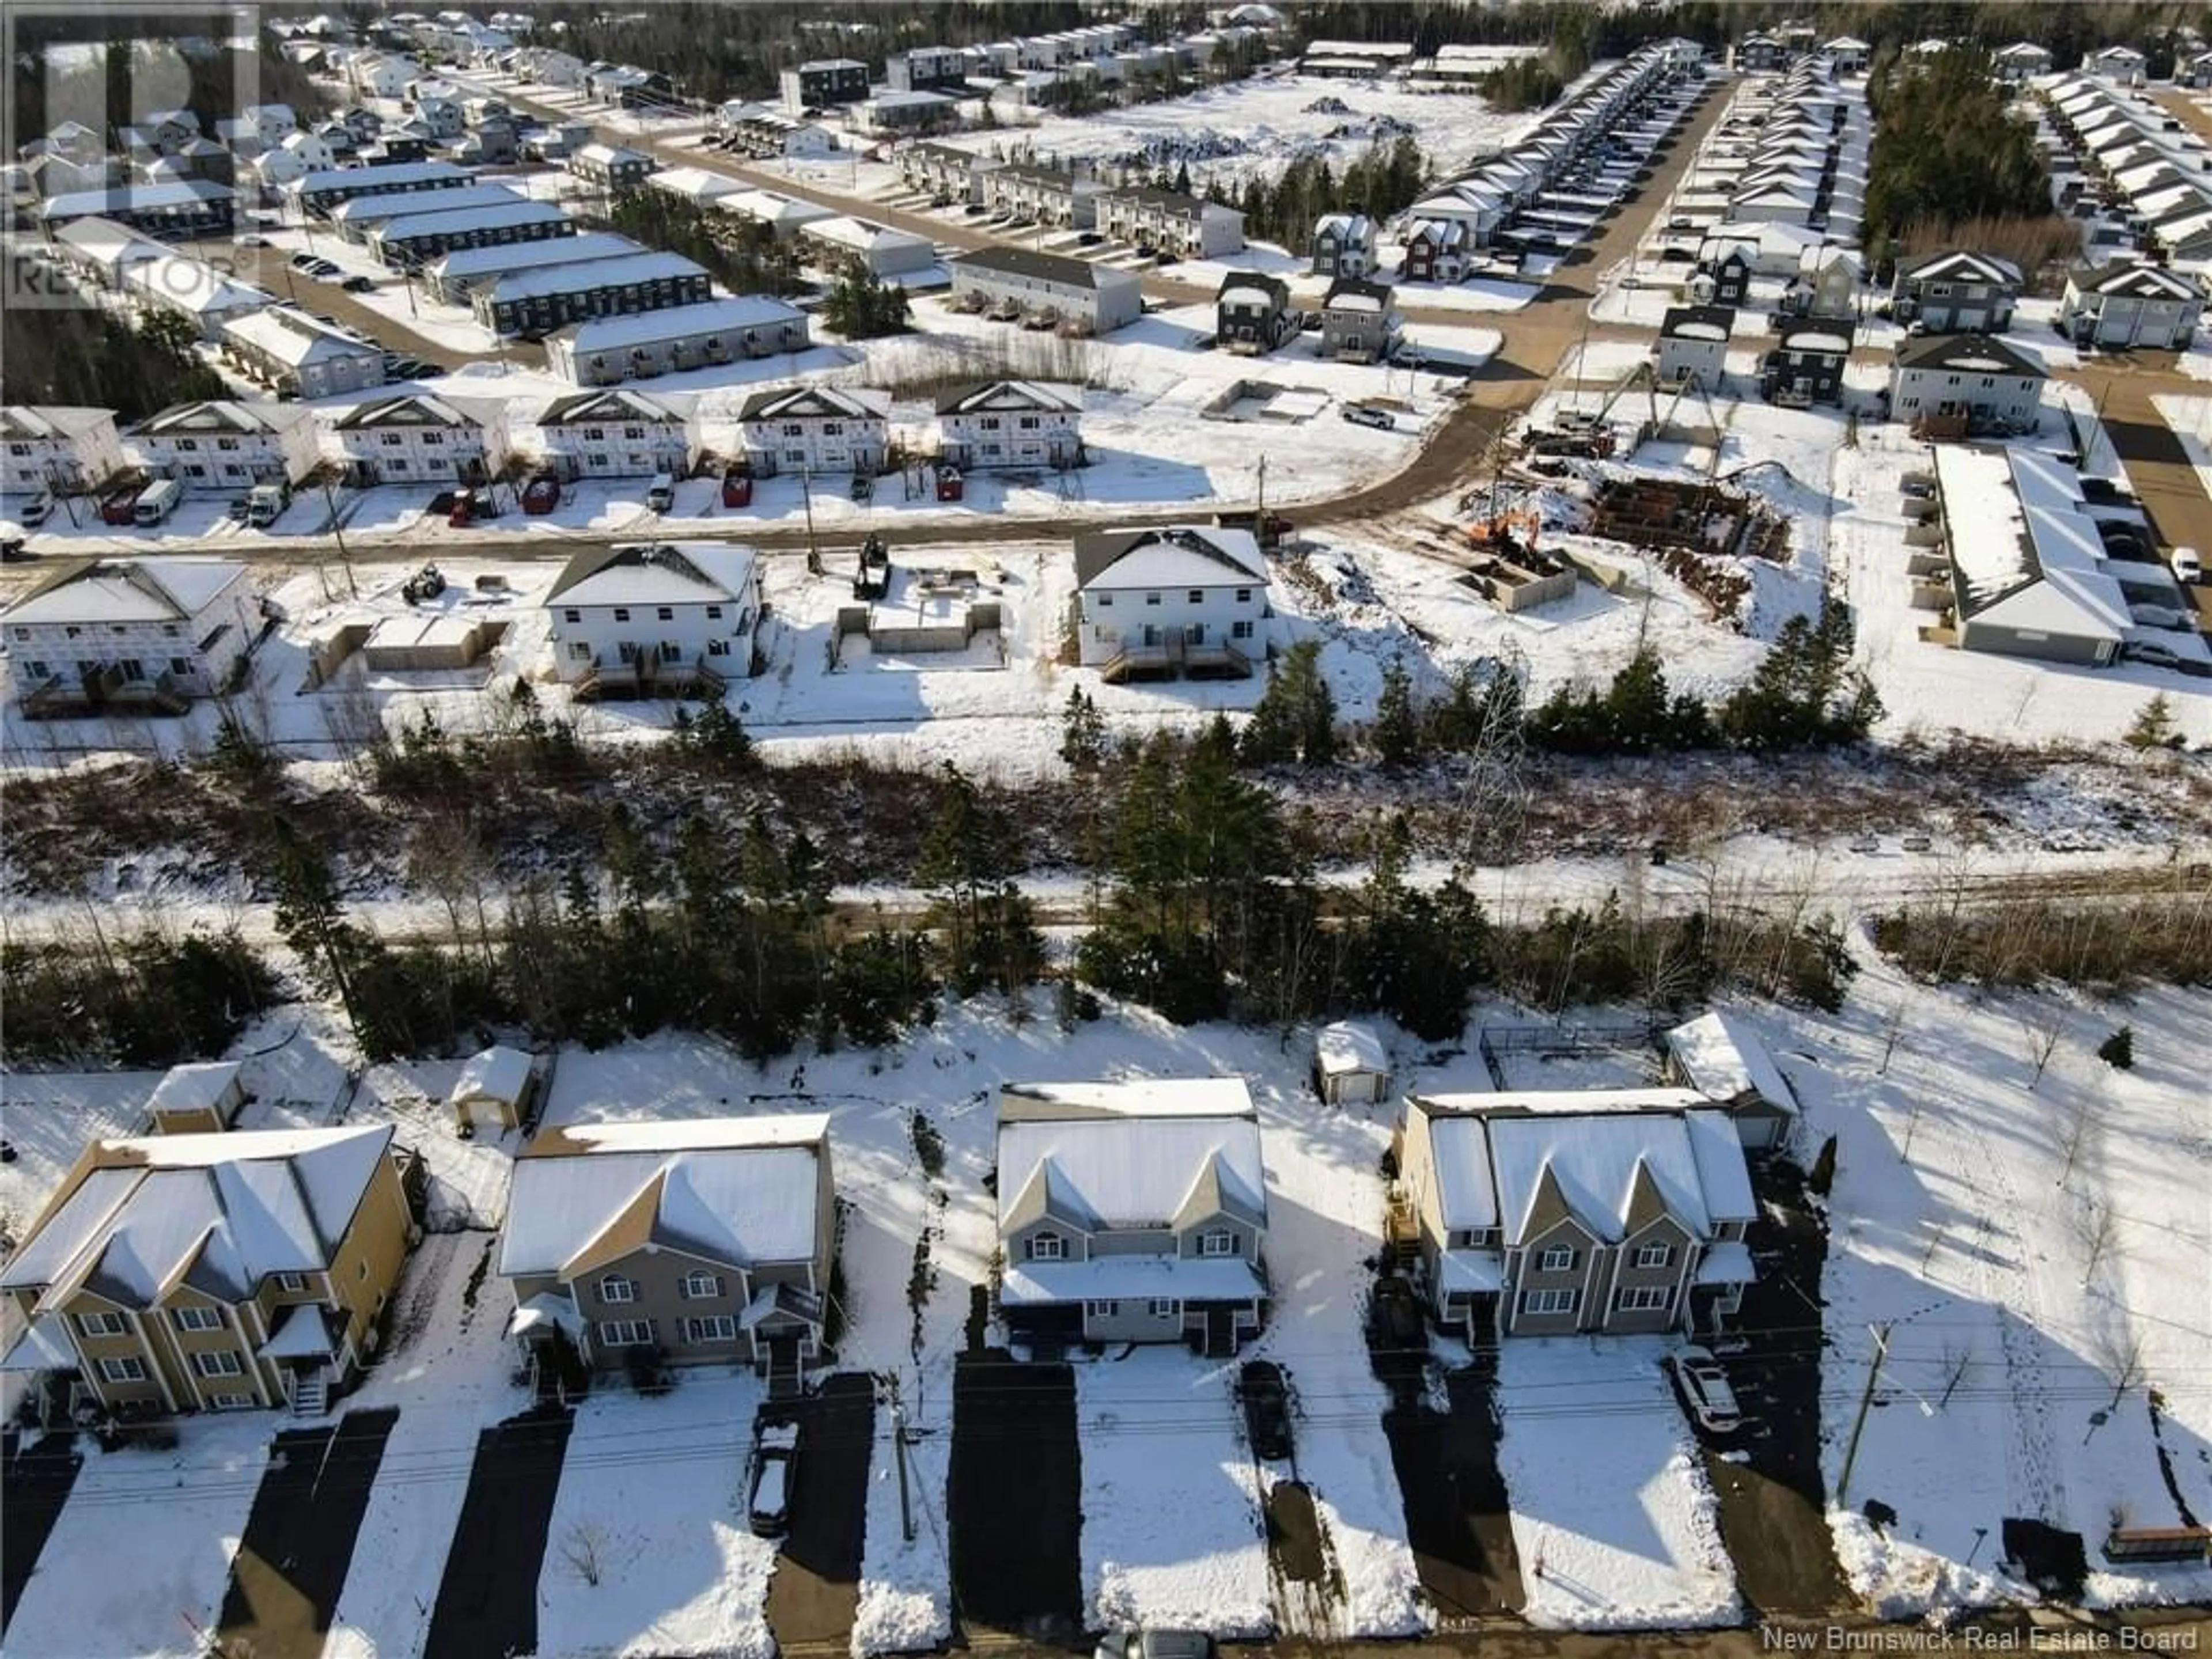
x: 488, y: 1599
x: 35, y: 1478
x: 292, y: 1562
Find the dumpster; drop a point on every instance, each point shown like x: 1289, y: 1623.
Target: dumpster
x: 737, y: 488
x: 950, y: 487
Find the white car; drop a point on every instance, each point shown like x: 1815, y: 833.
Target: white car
x: 775, y: 1453
x: 1706, y: 1389
x: 1361, y: 415
x: 38, y: 509
x: 2187, y: 567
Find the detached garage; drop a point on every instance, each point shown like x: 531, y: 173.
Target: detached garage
x: 1723, y: 1060
x: 1351, y: 1066
x: 495, y: 1091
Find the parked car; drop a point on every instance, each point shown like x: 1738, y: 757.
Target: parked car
x: 1154, y: 1644
x: 239, y: 507
x: 1394, y: 1317
x: 1362, y: 414
x: 12, y: 550
x: 38, y: 509
x: 2157, y: 655
x: 1705, y: 1390
x: 775, y: 1462
x: 1266, y: 1409
x: 2187, y: 567
x: 304, y: 262
x: 358, y: 285
x: 253, y: 241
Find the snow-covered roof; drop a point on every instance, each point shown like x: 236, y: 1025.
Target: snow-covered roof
x: 614, y: 404
x: 45, y: 1346
x: 454, y: 220
x: 1466, y: 1191
x: 193, y: 1088
x: 1350, y: 1046
x: 679, y: 573
x: 1130, y: 1278
x: 1137, y: 1154
x: 817, y: 403
x: 738, y: 1190
x: 861, y: 236
x: 380, y: 175
x: 463, y: 263
x: 410, y: 204
x: 217, y: 416
x: 1169, y: 1096
x: 1726, y: 1261
x: 192, y: 285
x: 134, y: 199
x: 220, y: 1211
x: 301, y: 1333
x: 646, y: 265
x: 52, y: 422
x: 1723, y: 1059
x: 105, y: 590
x: 293, y: 338
x: 2136, y: 282
x: 1957, y: 265
x: 496, y: 1073
x: 1965, y: 354
x: 679, y: 323
x: 1170, y: 555
x: 1595, y: 1161
x: 2022, y: 555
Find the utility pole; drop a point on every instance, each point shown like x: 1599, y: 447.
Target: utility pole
x: 806, y: 500
x: 338, y: 532
x: 898, y: 1440
x: 1262, y: 537
x: 1881, y: 1334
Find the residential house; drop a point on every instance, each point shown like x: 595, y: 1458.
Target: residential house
x: 200, y: 293
x: 453, y: 277
x: 274, y: 122
x: 1045, y: 196
x: 1728, y: 274
x: 442, y: 113
x: 841, y: 245
x: 926, y: 69
x: 1252, y: 312
x: 610, y: 168
x: 989, y: 424
x: 618, y: 434
x: 1557, y: 1214
x: 707, y: 1241
x: 536, y: 302
x: 120, y: 631
x: 379, y: 75
x: 1723, y: 1060
x: 2197, y: 71
x: 1955, y: 293
x: 101, y: 251
x: 1808, y: 365
x: 895, y: 112
x: 1358, y: 323
x: 226, y: 446
x: 1170, y: 222
x: 295, y: 355
x: 1171, y: 598
x: 170, y: 129
x: 419, y: 439
x: 1087, y: 297
x: 823, y: 84
x: 208, y: 1271
x: 190, y: 207
x: 1760, y: 54
x: 1848, y: 54
x: 2121, y: 65
x: 2023, y: 60
x: 318, y: 192
x: 816, y: 429
x: 783, y: 216
x: 1693, y: 342
x: 1344, y: 244
x: 1981, y: 384
x: 57, y: 449
x: 358, y: 218
x: 2125, y: 305
x: 944, y: 172
x: 418, y: 239
x: 1132, y: 1212
x: 670, y: 616
x: 763, y: 133
x: 1437, y: 251
x: 608, y: 350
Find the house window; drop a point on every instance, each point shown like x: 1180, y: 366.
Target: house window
x: 1557, y: 1259
x: 579, y: 652
x: 1221, y: 1241
x: 1048, y: 1246
x: 291, y: 1282
x: 1152, y: 598
x: 217, y: 1362
x: 102, y: 1324
x: 701, y: 1287
x: 232, y: 1402
x: 1101, y: 1310
x: 1027, y: 423
x: 125, y: 1370
x: 615, y: 1288
x: 1655, y: 1255
x: 714, y: 613
x: 1165, y: 1307
x: 718, y: 648
x: 572, y: 616
x: 199, y: 1319
x: 1643, y: 1298
x: 38, y: 671
x: 625, y: 1333
x: 1549, y: 1302
x: 621, y: 613
x: 1197, y: 595
x: 667, y: 613
x: 389, y: 439
x: 711, y: 1328
x: 1240, y: 630
x: 1243, y: 596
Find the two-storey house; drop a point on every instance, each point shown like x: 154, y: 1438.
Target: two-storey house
x: 421, y: 439
x: 1808, y: 365
x: 296, y: 354
x: 1955, y: 293
x: 1133, y: 1211
x: 655, y: 617
x: 1252, y: 312
x: 226, y: 445
x: 987, y: 424
x: 1437, y: 251
x: 1552, y: 1213
x: 209, y: 1271
x: 1967, y: 378
x: 1358, y: 323
x: 123, y: 631
x: 1083, y: 295
x: 823, y: 82
x: 1168, y: 599
x: 610, y: 168
x: 619, y: 434
x: 816, y: 429
x: 1170, y: 222
x: 1343, y: 246
x: 57, y: 449
x: 1694, y: 345
x: 702, y: 1242
x: 2126, y: 305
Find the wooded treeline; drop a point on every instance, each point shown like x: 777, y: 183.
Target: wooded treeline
x: 71, y: 353
x: 1948, y: 149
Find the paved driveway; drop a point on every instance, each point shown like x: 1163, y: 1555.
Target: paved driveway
x: 1015, y: 1497
x: 488, y: 1600
x: 35, y: 1478
x: 817, y: 1588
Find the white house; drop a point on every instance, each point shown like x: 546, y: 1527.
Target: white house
x: 1170, y: 222
x: 619, y: 434
x: 999, y: 424
x: 661, y: 616
x: 1169, y: 597
x: 843, y: 243
x: 1694, y: 345
x: 274, y: 122
x: 311, y: 150
x: 608, y: 350
x: 815, y: 429
x: 289, y: 351
x: 228, y: 446
x: 2130, y: 305
x: 1095, y: 299
x: 1132, y: 1212
x: 54, y: 447
x: 1983, y: 380
x: 123, y: 628
x: 2021, y: 61
x: 191, y: 289
x: 419, y: 439
x: 2122, y: 65
x: 273, y: 169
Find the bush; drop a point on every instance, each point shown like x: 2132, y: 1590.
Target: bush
x: 2118, y: 1050
x: 1824, y: 1169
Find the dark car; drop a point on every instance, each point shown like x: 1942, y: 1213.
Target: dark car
x: 1154, y: 1644
x: 1396, y: 1317
x: 1266, y: 1409
x: 358, y: 285
x: 238, y: 508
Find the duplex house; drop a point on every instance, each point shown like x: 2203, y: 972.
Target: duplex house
x: 419, y: 439
x: 926, y: 69
x: 665, y: 617
x: 1252, y: 312
x: 815, y: 429
x: 2126, y: 305
x: 211, y: 1272
x: 54, y: 447
x: 1170, y: 222
x: 985, y: 424
x: 1808, y: 365
x: 2021, y: 61
x: 608, y: 350
x: 226, y: 445
x: 1343, y: 246
x: 619, y: 434
x: 298, y: 356
x: 1955, y: 293
x: 1132, y: 1212
x: 1437, y: 251
x: 1171, y: 598
x: 702, y: 1242
x: 1093, y: 298
x: 824, y: 82
x: 1694, y: 344
x: 123, y: 630
x: 2121, y: 65
x: 1967, y: 378
x: 1358, y: 324
x: 1553, y: 1213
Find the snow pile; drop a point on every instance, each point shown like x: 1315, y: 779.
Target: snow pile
x: 1903, y: 1581
x: 905, y: 1607
x: 1612, y: 1516
x: 1172, y: 1533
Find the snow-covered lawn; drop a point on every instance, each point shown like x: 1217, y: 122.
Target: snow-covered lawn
x: 906, y: 1603
x: 1172, y: 1532
x: 1612, y: 1516
x: 138, y: 1564
x: 648, y: 1551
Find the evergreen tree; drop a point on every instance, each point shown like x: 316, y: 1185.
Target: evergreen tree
x: 1296, y: 716
x: 1082, y: 730
x: 1398, y: 726
x: 967, y: 868
x: 310, y: 915
x: 2154, y: 725
x: 862, y: 307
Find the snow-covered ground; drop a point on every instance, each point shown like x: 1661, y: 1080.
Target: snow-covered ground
x: 1612, y: 1516
x: 1172, y: 1532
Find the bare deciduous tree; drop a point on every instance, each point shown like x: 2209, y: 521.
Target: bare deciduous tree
x: 583, y: 1547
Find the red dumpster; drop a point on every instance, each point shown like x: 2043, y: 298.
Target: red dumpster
x: 542, y: 494
x: 737, y: 488
x: 464, y: 507
x: 119, y: 506
x: 950, y: 485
